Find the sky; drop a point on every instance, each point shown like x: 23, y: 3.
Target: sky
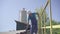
x: 9, y: 11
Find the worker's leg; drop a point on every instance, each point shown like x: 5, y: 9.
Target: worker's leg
x: 35, y: 32
x: 35, y: 29
x: 31, y: 30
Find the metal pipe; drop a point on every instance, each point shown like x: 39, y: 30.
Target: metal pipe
x: 44, y: 22
x: 50, y: 19
x: 45, y: 7
x: 41, y: 26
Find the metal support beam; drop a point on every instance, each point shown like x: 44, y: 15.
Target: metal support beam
x: 45, y: 7
x: 44, y: 22
x: 50, y: 18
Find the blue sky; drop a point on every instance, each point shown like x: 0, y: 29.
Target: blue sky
x: 9, y: 11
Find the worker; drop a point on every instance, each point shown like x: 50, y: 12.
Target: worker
x: 32, y: 17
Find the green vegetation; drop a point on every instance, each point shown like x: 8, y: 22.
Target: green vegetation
x: 55, y: 31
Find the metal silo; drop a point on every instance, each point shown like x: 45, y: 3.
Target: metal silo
x: 24, y: 16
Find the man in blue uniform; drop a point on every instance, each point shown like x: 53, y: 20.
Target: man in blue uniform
x: 32, y: 17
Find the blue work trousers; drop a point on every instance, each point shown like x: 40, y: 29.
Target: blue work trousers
x: 33, y: 29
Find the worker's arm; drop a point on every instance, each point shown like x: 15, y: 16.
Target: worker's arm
x: 37, y: 15
x: 28, y: 23
x: 28, y: 19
